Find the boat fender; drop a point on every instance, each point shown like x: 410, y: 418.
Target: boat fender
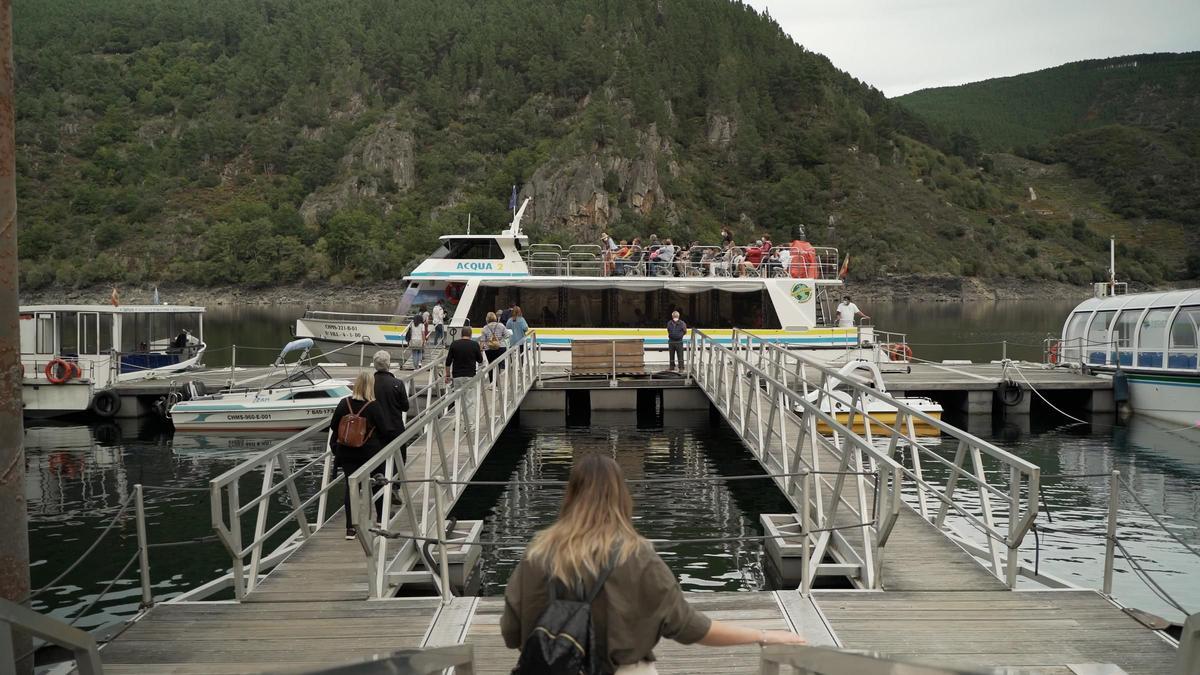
x: 1011, y: 393
x: 106, y: 403
x: 1120, y: 387
x: 59, y: 371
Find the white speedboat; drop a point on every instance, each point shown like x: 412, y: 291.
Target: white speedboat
x: 295, y: 402
x: 840, y: 403
x: 73, y: 355
x: 580, y: 293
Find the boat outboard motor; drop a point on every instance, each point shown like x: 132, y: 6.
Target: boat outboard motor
x: 303, y: 343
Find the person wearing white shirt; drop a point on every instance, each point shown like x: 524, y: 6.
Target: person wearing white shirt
x: 847, y: 311
x: 439, y: 323
x: 785, y: 260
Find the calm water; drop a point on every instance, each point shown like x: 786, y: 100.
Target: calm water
x: 78, y: 474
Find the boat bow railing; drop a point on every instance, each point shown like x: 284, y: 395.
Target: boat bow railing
x: 452, y: 435
x: 977, y: 487
x: 294, y: 479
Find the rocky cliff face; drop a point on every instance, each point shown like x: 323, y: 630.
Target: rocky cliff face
x: 379, y: 162
x: 573, y: 195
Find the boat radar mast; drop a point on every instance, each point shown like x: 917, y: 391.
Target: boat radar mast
x: 514, y: 228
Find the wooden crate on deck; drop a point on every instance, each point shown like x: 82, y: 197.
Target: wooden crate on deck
x: 597, y: 357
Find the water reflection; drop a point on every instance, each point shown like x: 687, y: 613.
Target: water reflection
x: 688, y: 446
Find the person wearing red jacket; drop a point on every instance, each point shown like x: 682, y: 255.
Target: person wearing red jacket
x: 754, y: 256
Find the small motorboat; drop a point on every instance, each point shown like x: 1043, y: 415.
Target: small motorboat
x: 840, y: 403
x: 294, y: 402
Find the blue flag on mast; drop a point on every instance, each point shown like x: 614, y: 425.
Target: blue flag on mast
x: 512, y: 201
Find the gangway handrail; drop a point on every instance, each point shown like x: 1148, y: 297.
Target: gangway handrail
x: 280, y: 471
x: 710, y: 363
x: 1023, y: 477
x: 490, y: 399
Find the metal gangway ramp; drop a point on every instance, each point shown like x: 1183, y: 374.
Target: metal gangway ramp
x: 302, y: 595
x: 930, y: 540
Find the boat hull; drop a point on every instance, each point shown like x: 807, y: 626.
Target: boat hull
x: 1168, y: 397
x: 883, y: 423
x: 211, y: 417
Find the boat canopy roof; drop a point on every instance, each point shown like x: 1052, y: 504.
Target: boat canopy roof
x: 677, y: 284
x: 1188, y: 296
x: 118, y: 309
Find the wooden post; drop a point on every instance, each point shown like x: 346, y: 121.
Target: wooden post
x: 1110, y: 541
x: 143, y: 547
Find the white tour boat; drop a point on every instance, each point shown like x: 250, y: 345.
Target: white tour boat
x: 1152, y: 339
x: 576, y: 294
x: 73, y: 355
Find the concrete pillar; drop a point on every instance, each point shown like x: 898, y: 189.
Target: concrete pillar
x: 979, y: 424
x: 684, y: 399
x: 1102, y: 401
x: 614, y: 399
x: 545, y: 399
x: 978, y: 402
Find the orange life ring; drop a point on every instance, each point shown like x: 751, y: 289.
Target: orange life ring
x: 898, y: 351
x: 454, y: 292
x: 59, y: 371
x: 1054, y: 353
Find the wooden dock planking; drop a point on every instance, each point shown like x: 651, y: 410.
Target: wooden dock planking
x: 1043, y: 631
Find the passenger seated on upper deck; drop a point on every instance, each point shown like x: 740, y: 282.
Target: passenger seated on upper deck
x: 754, y: 256
x: 608, y: 250
x: 622, y: 257
x: 661, y: 258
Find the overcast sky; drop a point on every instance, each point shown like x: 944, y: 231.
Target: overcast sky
x: 900, y: 46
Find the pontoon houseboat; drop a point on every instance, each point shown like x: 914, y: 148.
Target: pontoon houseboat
x: 580, y: 293
x: 73, y: 355
x: 1153, y: 338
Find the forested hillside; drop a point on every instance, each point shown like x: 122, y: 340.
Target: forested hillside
x: 261, y: 142
x: 1132, y: 124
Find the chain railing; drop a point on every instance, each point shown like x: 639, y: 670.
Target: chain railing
x: 451, y: 436
x: 303, y: 482
x: 1000, y: 500
x: 779, y: 424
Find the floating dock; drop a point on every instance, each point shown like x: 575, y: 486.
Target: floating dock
x: 880, y: 516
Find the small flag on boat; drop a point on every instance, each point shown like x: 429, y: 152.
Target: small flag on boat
x: 845, y: 267
x: 512, y: 201
x: 113, y: 298
x: 155, y: 301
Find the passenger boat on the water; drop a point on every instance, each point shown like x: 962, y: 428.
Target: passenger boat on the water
x: 72, y: 355
x: 1151, y: 339
x: 294, y: 402
x: 580, y: 294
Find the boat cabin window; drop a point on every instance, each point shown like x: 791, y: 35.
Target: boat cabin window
x: 154, y: 331
x: 301, y: 378
x: 1097, y: 337
x: 45, y: 333
x: 422, y: 296
x: 1073, y: 336
x: 1185, y: 339
x: 1122, y: 335
x: 619, y: 308
x: 469, y: 249
x: 1152, y: 337
x: 300, y: 395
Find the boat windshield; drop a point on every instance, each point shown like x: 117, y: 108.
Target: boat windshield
x: 301, y: 378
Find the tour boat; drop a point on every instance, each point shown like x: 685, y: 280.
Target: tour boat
x: 577, y: 294
x: 840, y: 404
x: 294, y: 402
x: 73, y: 355
x: 1151, y: 339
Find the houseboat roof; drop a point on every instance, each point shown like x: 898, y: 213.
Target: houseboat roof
x: 118, y: 309
x: 1187, y: 296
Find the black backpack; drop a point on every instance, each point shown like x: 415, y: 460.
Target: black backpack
x: 562, y: 642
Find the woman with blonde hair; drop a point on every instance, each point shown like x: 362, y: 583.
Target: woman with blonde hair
x: 638, y: 600
x: 356, y: 441
x: 493, y: 339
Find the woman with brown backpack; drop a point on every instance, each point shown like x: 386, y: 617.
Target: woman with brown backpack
x: 355, y: 435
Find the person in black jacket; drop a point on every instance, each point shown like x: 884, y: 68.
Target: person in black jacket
x: 392, y: 398
x: 348, y: 459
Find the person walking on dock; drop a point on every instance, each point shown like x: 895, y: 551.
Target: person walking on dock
x: 676, y: 330
x: 463, y: 357
x: 517, y: 325
x: 418, y: 337
x: 593, y: 554
x: 391, y: 395
x: 355, y: 437
x: 847, y: 311
x: 493, y: 338
x: 439, y: 324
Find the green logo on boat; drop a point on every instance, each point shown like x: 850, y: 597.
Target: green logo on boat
x: 802, y: 292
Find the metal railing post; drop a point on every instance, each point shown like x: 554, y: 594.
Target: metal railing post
x: 805, y: 528
x: 1110, y: 541
x: 443, y: 558
x: 143, y: 547
x: 1004, y: 351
